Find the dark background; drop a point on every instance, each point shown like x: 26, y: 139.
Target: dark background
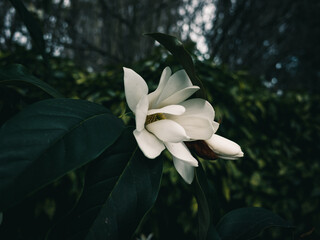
x: 259, y: 61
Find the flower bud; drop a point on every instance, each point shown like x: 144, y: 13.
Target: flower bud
x: 224, y: 148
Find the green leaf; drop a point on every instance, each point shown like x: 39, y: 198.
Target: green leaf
x: 206, y: 210
x: 246, y: 223
x: 18, y: 74
x: 48, y: 139
x: 173, y: 45
x: 32, y: 25
x: 120, y: 187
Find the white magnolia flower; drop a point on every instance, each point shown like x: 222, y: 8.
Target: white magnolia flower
x: 166, y: 119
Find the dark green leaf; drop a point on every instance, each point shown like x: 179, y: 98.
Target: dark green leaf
x: 246, y: 223
x: 32, y: 25
x: 48, y: 139
x: 121, y: 186
x: 173, y: 45
x: 206, y: 211
x: 18, y: 74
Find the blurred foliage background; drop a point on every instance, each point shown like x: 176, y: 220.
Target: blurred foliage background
x: 259, y: 62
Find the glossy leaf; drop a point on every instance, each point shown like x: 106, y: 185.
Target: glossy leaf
x: 18, y: 74
x: 246, y: 223
x: 48, y: 139
x: 206, y: 209
x: 121, y: 186
x: 32, y: 25
x: 173, y: 45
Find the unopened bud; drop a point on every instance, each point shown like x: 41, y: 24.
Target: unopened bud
x: 224, y: 147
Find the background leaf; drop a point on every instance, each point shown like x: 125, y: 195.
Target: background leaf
x: 173, y: 45
x: 32, y: 25
x: 206, y: 209
x: 48, y: 139
x: 17, y: 73
x: 121, y: 186
x: 246, y: 223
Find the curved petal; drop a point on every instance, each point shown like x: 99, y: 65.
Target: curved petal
x: 168, y: 131
x: 198, y: 107
x: 178, y: 81
x: 185, y: 170
x: 148, y: 143
x: 141, y: 112
x: 224, y: 147
x: 135, y: 88
x: 215, y: 126
x: 180, y: 151
x: 197, y: 128
x: 178, y: 96
x: 171, y: 109
x: 153, y: 97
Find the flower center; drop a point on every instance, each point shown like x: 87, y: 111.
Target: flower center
x: 154, y: 117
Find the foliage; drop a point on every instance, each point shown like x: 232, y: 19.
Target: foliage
x: 280, y: 171
x: 51, y: 140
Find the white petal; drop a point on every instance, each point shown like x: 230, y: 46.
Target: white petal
x: 215, y: 126
x: 197, y: 119
x: 135, y: 88
x: 178, y: 81
x: 171, y: 109
x: 179, y: 150
x: 153, y: 97
x: 148, y: 143
x: 224, y: 147
x: 198, y: 107
x: 185, y: 170
x: 141, y: 112
x: 178, y: 96
x: 197, y: 128
x: 168, y: 131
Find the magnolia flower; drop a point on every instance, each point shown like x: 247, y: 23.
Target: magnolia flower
x: 166, y: 119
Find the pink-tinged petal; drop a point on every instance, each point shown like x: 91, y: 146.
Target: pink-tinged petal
x: 180, y: 151
x: 171, y: 109
x: 197, y: 128
x: 198, y: 107
x: 153, y: 97
x: 148, y: 143
x: 168, y: 131
x: 135, y: 88
x: 141, y: 112
x: 178, y: 97
x: 224, y: 147
x: 178, y: 81
x: 185, y: 170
